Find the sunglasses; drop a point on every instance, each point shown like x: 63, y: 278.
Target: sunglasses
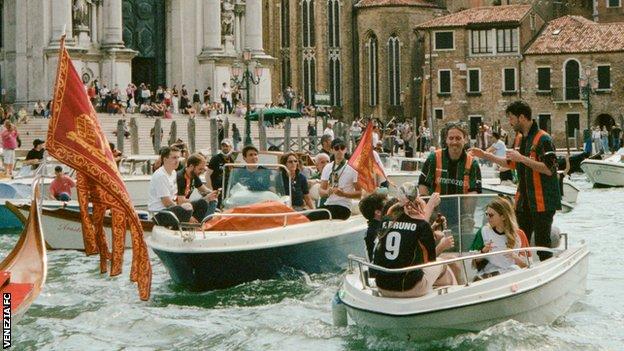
x: 339, y: 147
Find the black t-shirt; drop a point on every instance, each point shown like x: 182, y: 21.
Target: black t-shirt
x: 216, y: 165
x: 186, y: 185
x: 409, y: 242
x: 35, y: 155
x: 298, y: 188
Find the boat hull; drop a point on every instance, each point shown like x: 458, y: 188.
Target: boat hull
x: 541, y: 304
x: 603, y: 173
x: 262, y: 255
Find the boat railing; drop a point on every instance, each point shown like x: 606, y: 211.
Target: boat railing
x: 361, y: 262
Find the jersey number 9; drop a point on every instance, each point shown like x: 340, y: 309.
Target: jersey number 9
x: 393, y: 244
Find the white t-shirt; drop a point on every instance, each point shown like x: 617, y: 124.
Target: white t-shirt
x: 347, y: 177
x: 161, y: 185
x: 499, y: 148
x: 500, y: 263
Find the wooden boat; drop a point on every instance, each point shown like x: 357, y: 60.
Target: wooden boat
x: 23, y: 272
x: 64, y: 228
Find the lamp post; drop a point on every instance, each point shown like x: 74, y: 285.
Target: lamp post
x: 588, y: 86
x: 247, y: 77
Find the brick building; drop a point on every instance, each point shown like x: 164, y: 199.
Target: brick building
x: 570, y: 57
x: 473, y: 62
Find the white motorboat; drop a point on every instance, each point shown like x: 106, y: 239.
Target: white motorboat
x: 220, y: 257
x: 608, y: 172
x: 537, y: 294
x: 64, y: 227
x: 570, y: 191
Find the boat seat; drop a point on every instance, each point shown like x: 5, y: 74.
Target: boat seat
x: 19, y: 292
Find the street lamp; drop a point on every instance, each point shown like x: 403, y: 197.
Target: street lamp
x: 240, y: 76
x: 588, y: 86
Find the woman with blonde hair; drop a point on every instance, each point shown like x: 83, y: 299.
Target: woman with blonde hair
x: 501, y: 233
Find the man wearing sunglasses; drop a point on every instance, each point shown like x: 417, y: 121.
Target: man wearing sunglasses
x: 338, y: 184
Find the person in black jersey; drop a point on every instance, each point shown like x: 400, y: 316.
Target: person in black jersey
x: 407, y: 240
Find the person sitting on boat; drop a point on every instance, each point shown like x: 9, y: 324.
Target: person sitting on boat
x: 371, y: 207
x: 163, y: 190
x: 35, y: 155
x: 299, y: 194
x: 314, y: 180
x: 407, y: 240
x: 338, y: 184
x: 500, y: 233
x: 61, y: 185
x: 187, y: 180
x: 254, y: 177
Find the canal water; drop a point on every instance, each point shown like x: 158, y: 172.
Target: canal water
x: 80, y: 309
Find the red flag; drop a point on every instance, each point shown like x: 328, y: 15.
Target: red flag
x: 363, y: 161
x: 76, y: 139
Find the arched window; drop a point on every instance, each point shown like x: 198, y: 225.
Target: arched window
x: 333, y: 21
x: 394, y: 70
x: 372, y: 71
x: 307, y: 13
x: 286, y: 81
x: 285, y: 24
x: 571, y: 82
x: 309, y: 80
x: 334, y: 80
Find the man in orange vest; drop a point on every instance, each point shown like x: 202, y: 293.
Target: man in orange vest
x: 451, y: 170
x: 538, y: 195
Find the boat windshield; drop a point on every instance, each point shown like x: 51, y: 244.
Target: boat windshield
x: 465, y: 215
x: 259, y: 183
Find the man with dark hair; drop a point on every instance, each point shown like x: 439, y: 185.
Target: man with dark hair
x: 163, y: 190
x: 61, y: 185
x: 254, y: 177
x: 326, y: 141
x: 538, y: 195
x: 371, y: 208
x: 215, y: 166
x: 35, y: 155
x: 188, y: 179
x: 451, y: 170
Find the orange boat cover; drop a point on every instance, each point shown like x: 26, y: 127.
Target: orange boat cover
x: 255, y: 223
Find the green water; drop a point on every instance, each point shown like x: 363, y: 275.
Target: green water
x: 80, y: 309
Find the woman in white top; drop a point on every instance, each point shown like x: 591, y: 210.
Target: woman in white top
x: 499, y: 234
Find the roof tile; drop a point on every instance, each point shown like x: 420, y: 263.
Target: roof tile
x: 480, y: 15
x: 379, y: 3
x: 575, y: 34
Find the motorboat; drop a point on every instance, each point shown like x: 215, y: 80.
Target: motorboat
x: 255, y: 244
x: 537, y: 294
x: 64, y: 227
x: 608, y: 172
x: 23, y: 271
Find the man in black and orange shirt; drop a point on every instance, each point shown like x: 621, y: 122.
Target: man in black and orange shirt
x: 187, y: 179
x: 538, y: 195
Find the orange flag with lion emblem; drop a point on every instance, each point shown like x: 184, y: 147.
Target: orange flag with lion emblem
x: 76, y: 139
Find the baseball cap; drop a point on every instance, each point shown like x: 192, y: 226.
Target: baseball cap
x: 226, y: 142
x: 38, y: 142
x: 337, y: 142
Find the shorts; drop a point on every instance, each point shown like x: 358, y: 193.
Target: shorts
x: 434, y: 275
x: 8, y: 156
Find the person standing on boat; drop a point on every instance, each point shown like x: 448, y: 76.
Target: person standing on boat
x: 408, y: 240
x: 187, y: 180
x: 163, y: 190
x: 451, y: 170
x: 338, y: 184
x: 61, y: 185
x: 538, y: 195
x: 216, y: 165
x: 299, y: 194
x: 254, y: 177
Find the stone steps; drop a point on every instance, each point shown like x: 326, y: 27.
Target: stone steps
x: 37, y: 128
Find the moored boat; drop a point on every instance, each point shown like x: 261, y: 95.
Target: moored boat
x: 608, y: 172
x: 64, y: 228
x: 23, y: 272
